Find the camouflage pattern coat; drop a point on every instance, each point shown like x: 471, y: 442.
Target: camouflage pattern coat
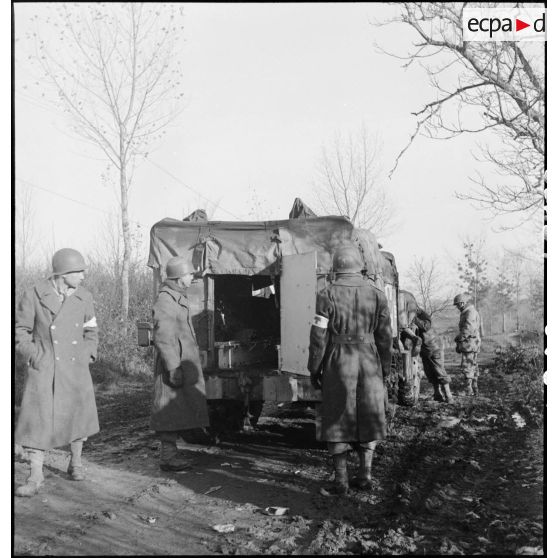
x: 469, y: 329
x: 184, y: 407
x: 57, y: 341
x: 353, y: 371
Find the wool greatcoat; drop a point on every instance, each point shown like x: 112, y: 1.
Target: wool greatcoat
x: 57, y: 340
x: 184, y: 407
x: 352, y: 367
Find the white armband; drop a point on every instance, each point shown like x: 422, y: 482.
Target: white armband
x: 91, y: 323
x: 320, y: 321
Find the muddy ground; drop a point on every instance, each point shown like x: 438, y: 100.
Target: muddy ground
x: 450, y: 479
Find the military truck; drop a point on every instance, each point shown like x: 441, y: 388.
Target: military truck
x: 253, y: 306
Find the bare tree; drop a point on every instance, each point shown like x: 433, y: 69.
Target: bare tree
x: 473, y: 269
x: 349, y: 182
x: 515, y: 262
x: 482, y: 87
x: 113, y: 70
x: 428, y: 284
x: 25, y: 233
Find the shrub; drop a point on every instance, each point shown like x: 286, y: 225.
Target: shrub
x: 518, y: 358
x: 527, y: 362
x: 118, y: 353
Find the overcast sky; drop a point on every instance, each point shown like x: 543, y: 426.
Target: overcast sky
x: 266, y: 87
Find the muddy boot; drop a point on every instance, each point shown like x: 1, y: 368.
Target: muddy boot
x: 364, y: 478
x: 170, y: 460
x: 470, y: 387
x: 75, y: 468
x: 475, y: 387
x: 341, y: 481
x: 35, y: 480
x: 437, y: 393
x: 447, y: 393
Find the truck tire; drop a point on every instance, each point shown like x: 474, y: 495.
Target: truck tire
x: 392, y: 383
x: 254, y: 411
x: 225, y: 415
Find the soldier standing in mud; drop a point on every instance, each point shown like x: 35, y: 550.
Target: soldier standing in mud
x: 179, y: 401
x: 468, y: 341
x: 349, y: 358
x: 432, y: 357
x: 56, y: 334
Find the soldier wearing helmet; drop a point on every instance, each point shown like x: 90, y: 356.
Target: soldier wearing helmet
x: 468, y: 341
x: 179, y: 402
x: 56, y: 335
x: 432, y: 357
x: 349, y: 358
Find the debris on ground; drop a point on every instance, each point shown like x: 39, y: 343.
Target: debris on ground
x: 519, y: 420
x: 472, y: 469
x: 226, y: 528
x: 275, y: 511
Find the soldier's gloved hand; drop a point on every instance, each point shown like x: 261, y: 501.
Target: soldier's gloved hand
x: 175, y: 378
x: 316, y: 381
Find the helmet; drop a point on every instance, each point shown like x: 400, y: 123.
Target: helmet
x: 347, y: 258
x: 178, y: 267
x: 67, y: 260
x: 460, y: 298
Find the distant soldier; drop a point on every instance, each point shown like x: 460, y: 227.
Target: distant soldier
x: 349, y: 358
x: 468, y: 341
x: 179, y: 401
x: 432, y: 357
x: 56, y: 334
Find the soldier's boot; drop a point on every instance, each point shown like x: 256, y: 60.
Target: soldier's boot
x: 470, y: 386
x: 438, y: 393
x: 446, y: 390
x: 35, y: 480
x: 341, y: 481
x: 475, y: 387
x: 364, y: 478
x: 170, y: 460
x: 75, y: 467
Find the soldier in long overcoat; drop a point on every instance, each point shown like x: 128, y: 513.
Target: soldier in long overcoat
x: 56, y: 335
x: 468, y: 341
x: 349, y: 358
x: 179, y: 401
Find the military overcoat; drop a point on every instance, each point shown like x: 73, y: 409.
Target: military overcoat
x: 57, y: 341
x: 184, y: 407
x: 353, y: 372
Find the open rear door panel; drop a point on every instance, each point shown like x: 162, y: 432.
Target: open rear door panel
x: 298, y: 306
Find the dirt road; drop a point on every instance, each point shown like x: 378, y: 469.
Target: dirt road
x: 459, y: 479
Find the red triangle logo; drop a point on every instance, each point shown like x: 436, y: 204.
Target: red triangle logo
x: 519, y: 25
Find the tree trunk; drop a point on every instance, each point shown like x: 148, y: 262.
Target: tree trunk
x: 125, y: 279
x: 503, y: 322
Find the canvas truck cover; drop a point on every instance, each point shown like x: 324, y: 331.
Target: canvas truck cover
x: 389, y: 270
x: 256, y: 247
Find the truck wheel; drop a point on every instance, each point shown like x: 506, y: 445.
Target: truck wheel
x: 254, y: 411
x: 226, y: 415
